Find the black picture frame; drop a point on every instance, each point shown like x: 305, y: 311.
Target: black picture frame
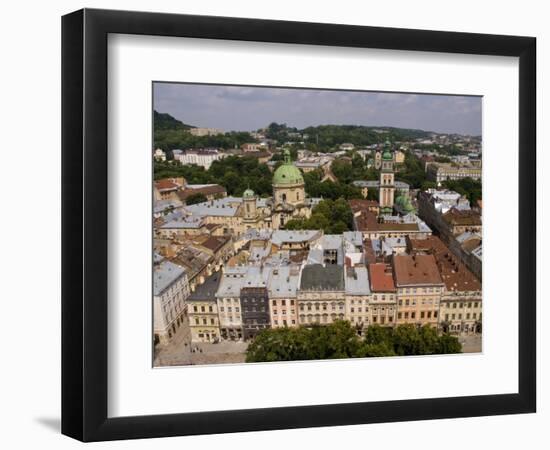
x: 84, y: 224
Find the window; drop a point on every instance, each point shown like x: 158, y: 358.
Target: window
x: 446, y: 317
x: 283, y: 302
x: 210, y: 309
x: 421, y: 314
x: 197, y: 321
x: 202, y: 309
x: 430, y: 314
x: 204, y: 321
x: 413, y: 315
x: 212, y: 321
x: 274, y: 302
x: 390, y: 319
x: 406, y: 315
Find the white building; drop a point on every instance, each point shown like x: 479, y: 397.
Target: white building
x: 202, y: 157
x: 170, y: 289
x: 159, y: 155
x: 205, y: 131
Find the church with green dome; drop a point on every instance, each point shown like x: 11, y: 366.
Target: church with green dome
x: 288, y: 202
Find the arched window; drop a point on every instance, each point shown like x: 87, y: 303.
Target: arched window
x: 283, y: 197
x: 298, y: 195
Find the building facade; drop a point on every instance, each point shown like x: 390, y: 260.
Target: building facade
x: 357, y: 296
x: 255, y: 310
x: 383, y: 303
x: 419, y: 289
x: 321, y: 297
x: 282, y: 289
x: 202, y: 311
x: 228, y: 298
x: 170, y: 291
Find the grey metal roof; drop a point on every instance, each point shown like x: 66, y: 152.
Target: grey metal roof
x: 353, y: 237
x: 219, y: 207
x: 283, y: 282
x: 317, y: 277
x: 332, y: 242
x: 164, y: 275
x: 184, y: 223
x: 401, y: 185
x: 230, y: 285
x: 160, y: 205
x: 207, y: 290
x: 467, y: 235
x: 294, y: 236
x: 357, y: 281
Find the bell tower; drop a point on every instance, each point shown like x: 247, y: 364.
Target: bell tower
x: 387, y: 182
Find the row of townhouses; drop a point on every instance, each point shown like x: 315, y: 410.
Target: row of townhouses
x: 386, y: 281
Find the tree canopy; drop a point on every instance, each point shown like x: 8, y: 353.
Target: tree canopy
x: 331, y: 216
x: 340, y: 340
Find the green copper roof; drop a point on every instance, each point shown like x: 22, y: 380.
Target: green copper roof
x: 288, y: 173
x: 249, y: 193
x: 387, y: 151
x: 404, y: 201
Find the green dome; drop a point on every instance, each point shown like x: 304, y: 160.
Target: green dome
x: 249, y: 193
x: 287, y: 173
x: 387, y: 152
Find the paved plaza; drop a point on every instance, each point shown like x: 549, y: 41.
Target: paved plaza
x: 181, y: 352
x: 470, y: 344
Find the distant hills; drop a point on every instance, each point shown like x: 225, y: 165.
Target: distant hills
x: 164, y: 121
x: 171, y: 133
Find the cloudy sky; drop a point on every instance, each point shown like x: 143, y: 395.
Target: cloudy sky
x: 245, y: 108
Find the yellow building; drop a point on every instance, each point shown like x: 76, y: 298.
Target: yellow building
x: 202, y: 311
x: 419, y: 289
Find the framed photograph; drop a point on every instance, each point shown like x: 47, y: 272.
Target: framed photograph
x: 273, y: 225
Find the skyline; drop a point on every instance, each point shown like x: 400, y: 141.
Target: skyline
x: 214, y: 106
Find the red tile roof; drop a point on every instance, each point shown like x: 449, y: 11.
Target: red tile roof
x: 166, y: 185
x: 416, y: 270
x: 462, y: 217
x: 381, y: 279
x: 206, y: 190
x: 455, y: 275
